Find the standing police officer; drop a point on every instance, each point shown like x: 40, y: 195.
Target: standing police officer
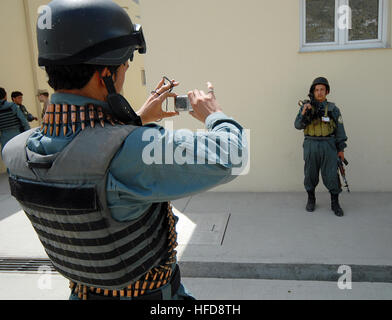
x: 325, y: 141
x: 101, y: 210
x: 12, y: 120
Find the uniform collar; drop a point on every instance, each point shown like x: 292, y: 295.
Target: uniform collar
x: 324, y: 103
x: 73, y: 99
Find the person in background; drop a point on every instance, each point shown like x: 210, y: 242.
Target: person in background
x: 12, y: 120
x: 325, y: 141
x: 17, y: 98
x: 43, y: 97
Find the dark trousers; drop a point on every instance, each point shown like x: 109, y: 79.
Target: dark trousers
x: 320, y: 154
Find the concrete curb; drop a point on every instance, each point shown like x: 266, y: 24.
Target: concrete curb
x: 281, y: 271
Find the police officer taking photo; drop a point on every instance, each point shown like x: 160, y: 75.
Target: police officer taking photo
x: 101, y: 211
x: 325, y: 141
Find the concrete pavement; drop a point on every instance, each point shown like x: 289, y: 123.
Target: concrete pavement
x: 248, y: 246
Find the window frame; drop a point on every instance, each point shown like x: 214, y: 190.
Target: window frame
x: 342, y: 41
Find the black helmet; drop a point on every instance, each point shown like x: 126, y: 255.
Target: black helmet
x: 88, y: 32
x: 320, y: 80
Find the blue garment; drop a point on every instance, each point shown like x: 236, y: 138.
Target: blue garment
x: 133, y: 185
x: 321, y: 154
x: 7, y: 134
x: 29, y: 117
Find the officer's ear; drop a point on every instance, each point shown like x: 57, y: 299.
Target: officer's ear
x: 103, y: 74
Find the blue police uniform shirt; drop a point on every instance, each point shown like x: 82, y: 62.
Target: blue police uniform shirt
x: 8, y: 134
x: 155, y: 164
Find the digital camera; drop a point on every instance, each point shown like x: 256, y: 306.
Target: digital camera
x: 182, y: 103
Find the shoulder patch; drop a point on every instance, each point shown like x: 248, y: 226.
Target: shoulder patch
x: 340, y: 119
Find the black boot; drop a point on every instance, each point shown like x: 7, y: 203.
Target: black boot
x: 311, y: 201
x: 335, y: 206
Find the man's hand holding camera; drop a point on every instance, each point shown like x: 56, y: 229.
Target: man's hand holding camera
x: 152, y: 109
x: 203, y: 104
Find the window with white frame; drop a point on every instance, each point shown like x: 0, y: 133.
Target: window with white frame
x: 343, y: 24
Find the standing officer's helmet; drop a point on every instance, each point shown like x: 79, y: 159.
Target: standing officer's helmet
x: 97, y: 32
x: 319, y: 80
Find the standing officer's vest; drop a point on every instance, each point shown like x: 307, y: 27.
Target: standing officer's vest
x: 319, y: 128
x: 8, y: 118
x: 64, y: 196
